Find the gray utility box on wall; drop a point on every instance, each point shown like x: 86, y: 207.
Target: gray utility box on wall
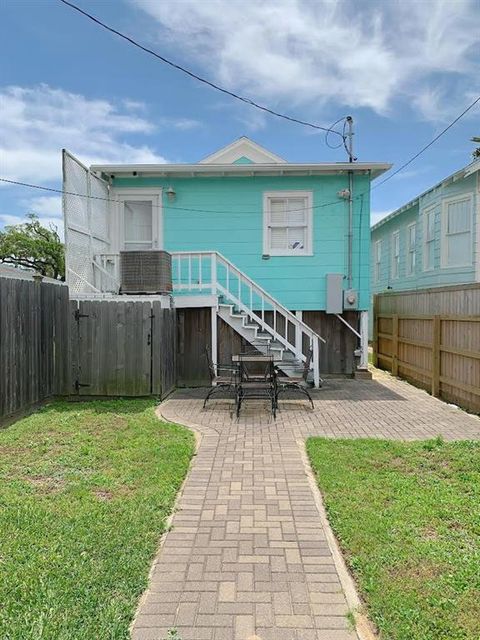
x: 145, y: 272
x: 350, y: 299
x: 334, y: 293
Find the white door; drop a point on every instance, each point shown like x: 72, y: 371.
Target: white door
x: 140, y: 221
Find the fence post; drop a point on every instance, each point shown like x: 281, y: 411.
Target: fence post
x: 375, y: 330
x: 437, y: 326
x: 395, y: 345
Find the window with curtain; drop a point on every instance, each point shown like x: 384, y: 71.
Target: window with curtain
x: 411, y: 249
x: 429, y: 239
x: 378, y: 260
x: 288, y: 227
x: 395, y: 254
x: 138, y: 227
x: 457, y: 233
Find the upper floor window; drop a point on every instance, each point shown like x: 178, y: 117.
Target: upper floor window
x: 429, y: 239
x: 378, y: 260
x: 395, y: 254
x: 411, y: 248
x: 457, y: 232
x: 287, y: 217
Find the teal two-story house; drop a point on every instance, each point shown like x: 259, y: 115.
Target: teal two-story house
x: 274, y: 250
x: 433, y: 240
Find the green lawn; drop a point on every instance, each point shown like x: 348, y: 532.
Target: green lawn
x: 85, y: 489
x: 407, y: 516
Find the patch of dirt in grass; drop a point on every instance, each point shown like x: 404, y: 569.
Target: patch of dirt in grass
x: 103, y: 495
x: 430, y: 533
x: 417, y: 571
x: 47, y: 484
x: 468, y: 612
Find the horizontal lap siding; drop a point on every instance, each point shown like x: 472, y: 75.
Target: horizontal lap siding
x: 439, y: 276
x: 235, y: 229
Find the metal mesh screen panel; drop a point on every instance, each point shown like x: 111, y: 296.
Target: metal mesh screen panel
x: 86, y: 223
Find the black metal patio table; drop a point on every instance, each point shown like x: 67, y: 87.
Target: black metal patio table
x: 253, y: 386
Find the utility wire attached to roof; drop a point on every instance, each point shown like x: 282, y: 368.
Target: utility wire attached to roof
x: 209, y: 83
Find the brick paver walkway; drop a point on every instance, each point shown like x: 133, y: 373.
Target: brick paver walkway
x: 247, y: 556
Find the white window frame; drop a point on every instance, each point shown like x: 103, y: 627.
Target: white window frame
x: 308, y: 249
x: 444, y: 234
x: 409, y: 270
x: 137, y: 194
x: 395, y: 235
x: 377, y: 260
x: 428, y: 210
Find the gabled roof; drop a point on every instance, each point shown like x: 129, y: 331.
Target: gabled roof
x: 242, y: 151
x: 464, y: 172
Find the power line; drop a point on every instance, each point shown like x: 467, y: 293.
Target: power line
x: 171, y: 207
x: 360, y: 195
x: 186, y: 71
x: 419, y: 153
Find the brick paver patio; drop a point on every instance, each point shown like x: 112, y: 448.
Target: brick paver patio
x: 247, y: 557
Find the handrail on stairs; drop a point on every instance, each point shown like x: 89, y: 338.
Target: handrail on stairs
x: 216, y: 259
x: 200, y: 276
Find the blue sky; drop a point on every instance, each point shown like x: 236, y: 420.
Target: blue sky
x: 403, y: 70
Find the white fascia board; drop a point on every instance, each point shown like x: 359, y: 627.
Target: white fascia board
x: 191, y: 170
x: 458, y: 175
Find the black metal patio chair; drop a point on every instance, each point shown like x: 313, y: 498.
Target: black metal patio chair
x: 295, y: 383
x: 223, y: 377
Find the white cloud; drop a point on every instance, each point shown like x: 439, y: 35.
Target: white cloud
x: 46, y: 221
x: 359, y: 54
x: 376, y: 216
x: 38, y: 122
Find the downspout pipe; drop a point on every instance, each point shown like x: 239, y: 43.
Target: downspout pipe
x: 350, y: 231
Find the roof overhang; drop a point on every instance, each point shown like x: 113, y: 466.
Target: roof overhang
x: 470, y: 169
x: 375, y: 169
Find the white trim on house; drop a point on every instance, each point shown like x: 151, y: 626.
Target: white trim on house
x: 454, y: 177
x: 268, y: 196
x: 410, y: 269
x: 395, y: 258
x: 423, y: 217
x: 378, y: 260
x: 477, y: 245
x: 133, y: 194
x: 443, y: 231
x: 374, y: 169
x: 243, y: 147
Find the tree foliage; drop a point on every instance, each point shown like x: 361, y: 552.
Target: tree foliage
x: 476, y: 152
x: 30, y: 245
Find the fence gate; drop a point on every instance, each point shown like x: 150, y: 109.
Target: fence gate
x: 122, y: 348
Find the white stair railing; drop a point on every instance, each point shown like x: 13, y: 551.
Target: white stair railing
x: 211, y: 271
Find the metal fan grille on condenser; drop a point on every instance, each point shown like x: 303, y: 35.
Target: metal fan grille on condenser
x: 145, y: 272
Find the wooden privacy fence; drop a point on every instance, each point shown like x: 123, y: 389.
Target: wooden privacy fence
x: 122, y: 347
x: 34, y: 343
x: 432, y: 338
x: 53, y: 346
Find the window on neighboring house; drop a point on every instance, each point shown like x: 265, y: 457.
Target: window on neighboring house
x: 429, y: 239
x: 378, y: 260
x: 395, y: 254
x: 411, y: 248
x: 457, y: 232
x: 287, y: 223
